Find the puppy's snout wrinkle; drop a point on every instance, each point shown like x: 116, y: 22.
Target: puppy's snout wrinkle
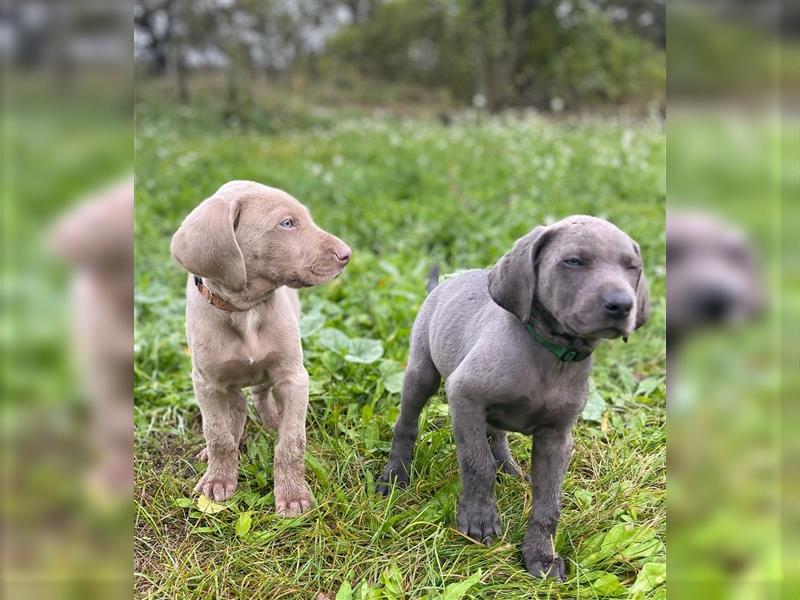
x: 617, y: 303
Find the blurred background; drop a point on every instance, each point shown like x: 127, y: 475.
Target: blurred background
x: 227, y: 67
x: 268, y: 65
x: 67, y: 99
x: 732, y: 298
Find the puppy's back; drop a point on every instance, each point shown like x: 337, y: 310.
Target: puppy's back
x: 453, y: 316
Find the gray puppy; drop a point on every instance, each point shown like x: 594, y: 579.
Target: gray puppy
x: 514, y: 345
x: 713, y: 275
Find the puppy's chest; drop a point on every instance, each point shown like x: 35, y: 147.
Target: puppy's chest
x: 255, y: 344
x: 250, y: 351
x: 525, y: 410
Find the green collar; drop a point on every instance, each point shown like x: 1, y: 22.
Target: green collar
x: 562, y: 353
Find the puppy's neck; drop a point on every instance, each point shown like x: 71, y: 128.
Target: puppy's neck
x: 547, y: 327
x: 251, y: 296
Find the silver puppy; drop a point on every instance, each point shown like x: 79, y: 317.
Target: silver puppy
x: 514, y: 345
x: 245, y: 248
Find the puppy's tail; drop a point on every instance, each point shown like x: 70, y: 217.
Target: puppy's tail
x: 433, y: 278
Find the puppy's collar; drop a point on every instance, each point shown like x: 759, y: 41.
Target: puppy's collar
x: 213, y: 299
x: 562, y: 353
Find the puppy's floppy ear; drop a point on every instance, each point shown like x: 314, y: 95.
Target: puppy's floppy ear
x: 642, y: 297
x: 205, y: 244
x: 512, y: 279
x: 642, y: 302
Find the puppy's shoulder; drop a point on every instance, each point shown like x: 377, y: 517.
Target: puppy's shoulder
x: 468, y: 285
x: 460, y: 299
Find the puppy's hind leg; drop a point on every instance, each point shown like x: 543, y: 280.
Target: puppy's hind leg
x: 498, y: 442
x: 266, y: 406
x: 420, y: 383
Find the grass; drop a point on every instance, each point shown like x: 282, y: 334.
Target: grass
x: 403, y: 194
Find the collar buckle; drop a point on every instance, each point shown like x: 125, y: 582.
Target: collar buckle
x: 214, y: 300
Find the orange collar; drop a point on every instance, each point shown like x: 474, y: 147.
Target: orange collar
x: 215, y: 300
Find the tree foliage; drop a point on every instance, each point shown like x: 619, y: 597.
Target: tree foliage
x: 488, y: 53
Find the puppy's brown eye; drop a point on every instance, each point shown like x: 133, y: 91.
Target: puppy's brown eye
x: 287, y: 224
x: 573, y: 262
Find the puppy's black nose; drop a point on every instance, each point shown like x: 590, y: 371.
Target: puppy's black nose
x: 714, y: 304
x: 617, y: 303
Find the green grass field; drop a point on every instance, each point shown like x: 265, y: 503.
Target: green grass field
x: 403, y: 194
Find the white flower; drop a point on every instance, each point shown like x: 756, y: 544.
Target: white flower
x: 556, y: 104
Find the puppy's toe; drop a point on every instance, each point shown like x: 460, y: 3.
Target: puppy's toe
x: 551, y: 568
x: 207, y: 489
x: 218, y: 489
x: 293, y: 509
x: 479, y: 534
x: 202, y: 456
x: 221, y: 492
x: 292, y: 505
x: 481, y: 523
x: 393, y: 475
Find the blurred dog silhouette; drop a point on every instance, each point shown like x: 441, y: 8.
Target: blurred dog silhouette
x: 713, y: 276
x: 96, y: 239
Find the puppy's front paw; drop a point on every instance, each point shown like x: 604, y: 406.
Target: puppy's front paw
x: 479, y: 521
x: 291, y: 503
x: 392, y: 474
x: 552, y: 567
x: 216, y: 486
